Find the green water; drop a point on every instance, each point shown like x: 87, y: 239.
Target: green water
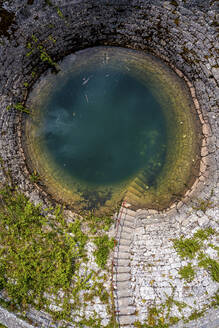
x: 104, y: 126
x: 114, y: 124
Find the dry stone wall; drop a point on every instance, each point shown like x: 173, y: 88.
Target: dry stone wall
x: 183, y: 33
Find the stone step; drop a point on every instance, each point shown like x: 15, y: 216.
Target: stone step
x: 126, y: 310
x: 127, y: 320
x: 122, y: 269
x: 138, y: 187
x: 125, y: 235
x: 130, y: 212
x: 122, y: 293
x: 124, y: 242
x: 125, y: 229
x: 134, y: 191
x: 129, y: 219
x: 121, y: 277
x: 121, y: 255
x: 121, y: 285
x: 121, y: 248
x: 121, y: 302
x: 122, y: 262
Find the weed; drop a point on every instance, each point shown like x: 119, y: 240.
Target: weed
x: 215, y: 300
x: 98, y: 223
x: 211, y: 265
x: 187, y: 247
x: 104, y: 245
x: 2, y: 326
x: 203, y: 205
x: 34, y: 177
x: 20, y: 107
x: 203, y: 234
x: 195, y: 315
x: 36, y: 45
x: 187, y: 273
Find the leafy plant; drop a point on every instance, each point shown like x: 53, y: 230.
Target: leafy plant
x: 34, y: 177
x: 211, y: 265
x: 187, y: 273
x: 187, y: 247
x: 203, y: 234
x: 20, y: 107
x: 104, y: 245
x: 203, y: 205
x: 195, y: 315
x: 2, y: 326
x: 36, y: 256
x: 36, y: 45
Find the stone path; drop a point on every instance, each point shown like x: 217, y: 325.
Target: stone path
x: 124, y: 303
x: 11, y: 321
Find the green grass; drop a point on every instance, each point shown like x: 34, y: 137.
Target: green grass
x: 204, y: 234
x: 211, y: 266
x: 104, y: 246
x: 98, y: 223
x: 187, y: 248
x: 19, y: 107
x: 35, y: 254
x: 203, y: 205
x: 187, y: 273
x: 195, y: 315
x: 2, y: 326
x: 41, y: 254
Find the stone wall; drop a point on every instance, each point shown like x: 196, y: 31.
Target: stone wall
x: 183, y: 33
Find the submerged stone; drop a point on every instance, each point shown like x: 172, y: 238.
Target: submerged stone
x: 113, y: 124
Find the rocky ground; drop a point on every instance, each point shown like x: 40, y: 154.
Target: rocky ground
x: 153, y: 282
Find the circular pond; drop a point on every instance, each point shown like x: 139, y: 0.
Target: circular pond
x: 113, y: 124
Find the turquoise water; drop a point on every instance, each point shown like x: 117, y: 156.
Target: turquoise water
x: 103, y: 126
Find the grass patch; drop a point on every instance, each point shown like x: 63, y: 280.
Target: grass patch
x: 187, y: 273
x: 196, y: 315
x: 204, y: 234
x: 211, y: 266
x: 35, y: 256
x: 42, y: 255
x: 19, y: 107
x: 104, y: 246
x: 96, y: 224
x: 188, y: 247
x: 203, y: 205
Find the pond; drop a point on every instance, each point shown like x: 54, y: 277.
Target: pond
x: 113, y: 124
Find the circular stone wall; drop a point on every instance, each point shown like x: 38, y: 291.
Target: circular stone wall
x: 153, y: 162
x: 183, y: 34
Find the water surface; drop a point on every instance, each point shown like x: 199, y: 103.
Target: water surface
x: 113, y: 124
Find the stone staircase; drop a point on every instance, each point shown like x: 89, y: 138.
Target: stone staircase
x: 136, y: 190
x: 124, y: 305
